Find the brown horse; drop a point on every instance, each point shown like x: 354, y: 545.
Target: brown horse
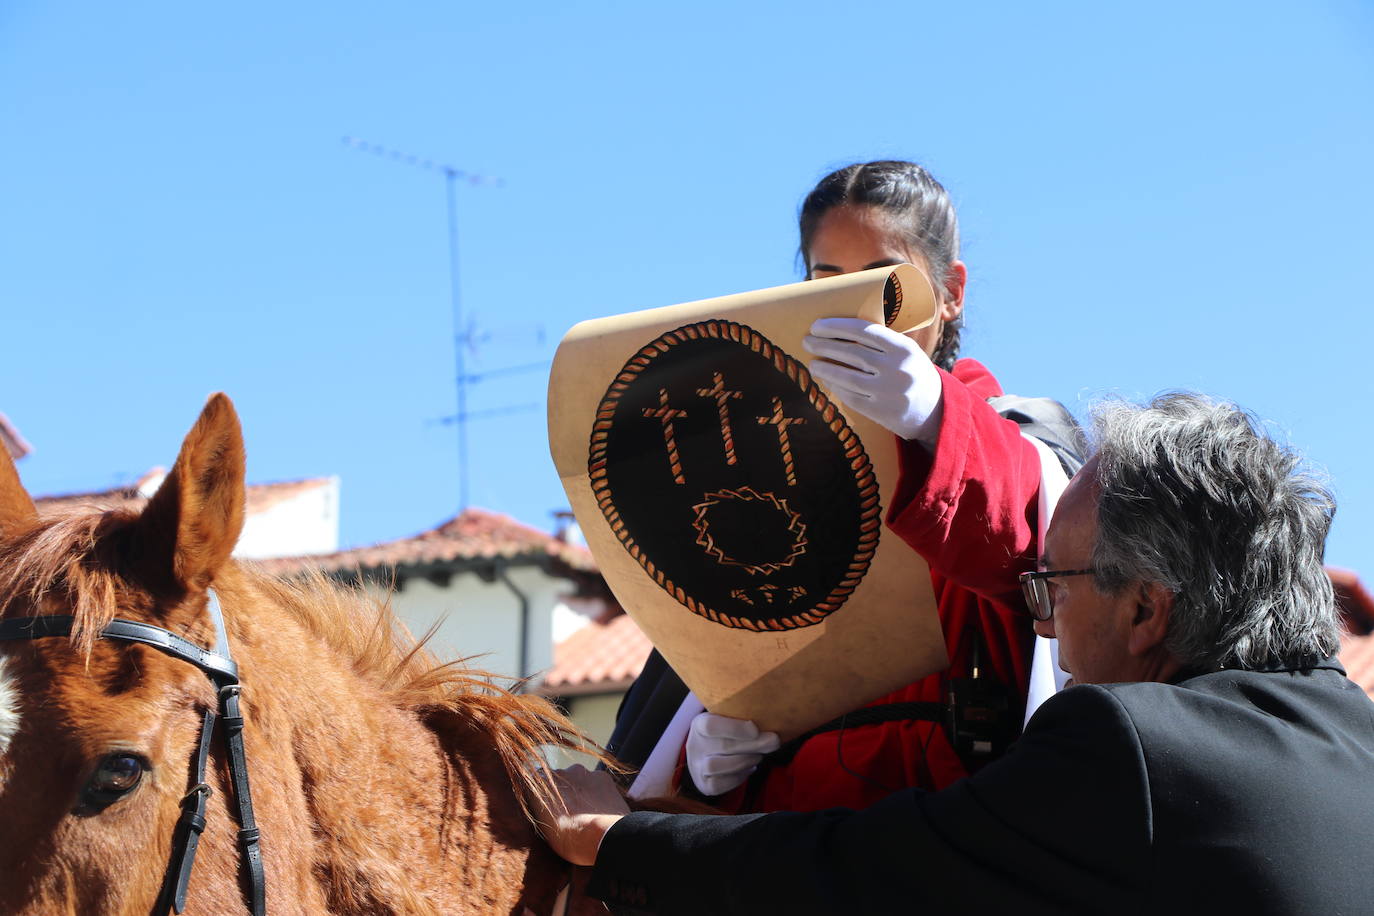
x: 381, y: 781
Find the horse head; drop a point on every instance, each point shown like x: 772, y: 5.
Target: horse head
x: 94, y: 761
x: 382, y: 781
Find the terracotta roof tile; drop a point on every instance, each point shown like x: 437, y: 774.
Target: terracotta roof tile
x: 260, y: 496
x: 599, y: 658
x: 1357, y: 655
x: 1357, y: 645
x: 474, y: 534
x: 1354, y: 600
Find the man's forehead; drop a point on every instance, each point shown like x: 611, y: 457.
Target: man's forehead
x: 1074, y: 523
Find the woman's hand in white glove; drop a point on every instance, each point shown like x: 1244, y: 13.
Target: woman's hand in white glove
x: 886, y: 376
x: 722, y: 752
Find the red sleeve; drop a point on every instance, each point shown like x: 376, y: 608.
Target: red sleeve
x: 970, y: 507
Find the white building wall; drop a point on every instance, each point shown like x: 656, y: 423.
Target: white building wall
x: 307, y: 523
x: 594, y: 714
x: 483, y: 619
x: 567, y: 620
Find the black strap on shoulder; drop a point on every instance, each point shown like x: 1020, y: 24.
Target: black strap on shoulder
x: 1050, y: 422
x: 864, y: 715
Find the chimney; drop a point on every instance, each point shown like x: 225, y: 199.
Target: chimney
x: 565, y: 528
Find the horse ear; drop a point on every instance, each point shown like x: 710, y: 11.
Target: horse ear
x: 194, y: 519
x: 16, y: 506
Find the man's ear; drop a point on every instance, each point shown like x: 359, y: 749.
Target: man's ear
x: 1154, y: 608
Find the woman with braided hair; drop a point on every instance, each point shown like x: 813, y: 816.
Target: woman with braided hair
x: 968, y: 500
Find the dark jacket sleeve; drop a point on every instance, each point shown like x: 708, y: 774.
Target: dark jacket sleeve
x: 1060, y: 825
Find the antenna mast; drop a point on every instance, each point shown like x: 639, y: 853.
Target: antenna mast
x: 460, y: 337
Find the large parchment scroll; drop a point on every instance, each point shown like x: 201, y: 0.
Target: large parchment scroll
x: 736, y: 508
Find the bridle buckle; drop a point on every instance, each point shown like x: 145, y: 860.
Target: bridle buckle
x: 199, y: 794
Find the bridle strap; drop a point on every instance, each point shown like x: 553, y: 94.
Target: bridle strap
x: 190, y: 825
x: 219, y: 666
x: 249, y: 835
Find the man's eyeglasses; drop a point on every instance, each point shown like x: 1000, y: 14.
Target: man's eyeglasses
x: 1036, y: 587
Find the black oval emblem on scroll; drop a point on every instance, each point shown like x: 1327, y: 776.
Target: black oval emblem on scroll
x: 733, y: 480
x: 892, y: 300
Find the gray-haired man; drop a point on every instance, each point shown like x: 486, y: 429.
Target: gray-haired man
x: 1213, y: 759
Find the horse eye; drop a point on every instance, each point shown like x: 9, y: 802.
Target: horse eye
x: 116, y: 776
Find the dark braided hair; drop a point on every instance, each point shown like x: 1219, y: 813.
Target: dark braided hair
x: 919, y: 208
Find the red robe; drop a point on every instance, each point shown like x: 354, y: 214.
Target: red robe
x: 970, y: 510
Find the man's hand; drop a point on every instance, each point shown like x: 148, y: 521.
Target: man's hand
x: 885, y: 376
x: 589, y: 805
x: 722, y: 752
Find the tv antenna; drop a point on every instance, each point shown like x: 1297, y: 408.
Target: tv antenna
x: 461, y: 336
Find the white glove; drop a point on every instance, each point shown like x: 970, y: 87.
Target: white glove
x: 722, y: 752
x: 886, y: 376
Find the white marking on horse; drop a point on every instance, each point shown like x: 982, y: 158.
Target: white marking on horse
x: 9, y: 707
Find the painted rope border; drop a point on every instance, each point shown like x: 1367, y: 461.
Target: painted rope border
x: 870, y: 511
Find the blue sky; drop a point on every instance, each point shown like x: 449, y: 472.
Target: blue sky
x: 1152, y: 196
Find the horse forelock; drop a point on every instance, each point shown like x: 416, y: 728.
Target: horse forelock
x: 67, y: 556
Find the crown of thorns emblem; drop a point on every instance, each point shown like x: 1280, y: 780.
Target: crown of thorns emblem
x: 793, y: 524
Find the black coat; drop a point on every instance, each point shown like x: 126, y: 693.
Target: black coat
x: 1232, y: 792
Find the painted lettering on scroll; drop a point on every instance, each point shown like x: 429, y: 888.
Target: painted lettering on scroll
x: 733, y: 480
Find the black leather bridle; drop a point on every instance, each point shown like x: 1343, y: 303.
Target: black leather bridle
x: 219, y: 666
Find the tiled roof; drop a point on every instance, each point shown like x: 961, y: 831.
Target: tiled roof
x: 475, y: 534
x: 599, y: 658
x: 1357, y: 655
x: 261, y: 496
x: 11, y: 440
x: 1354, y: 600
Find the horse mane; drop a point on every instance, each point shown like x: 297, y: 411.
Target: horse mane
x: 363, y: 628
x: 82, y: 556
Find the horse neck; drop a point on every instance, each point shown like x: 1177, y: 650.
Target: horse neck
x: 401, y: 812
